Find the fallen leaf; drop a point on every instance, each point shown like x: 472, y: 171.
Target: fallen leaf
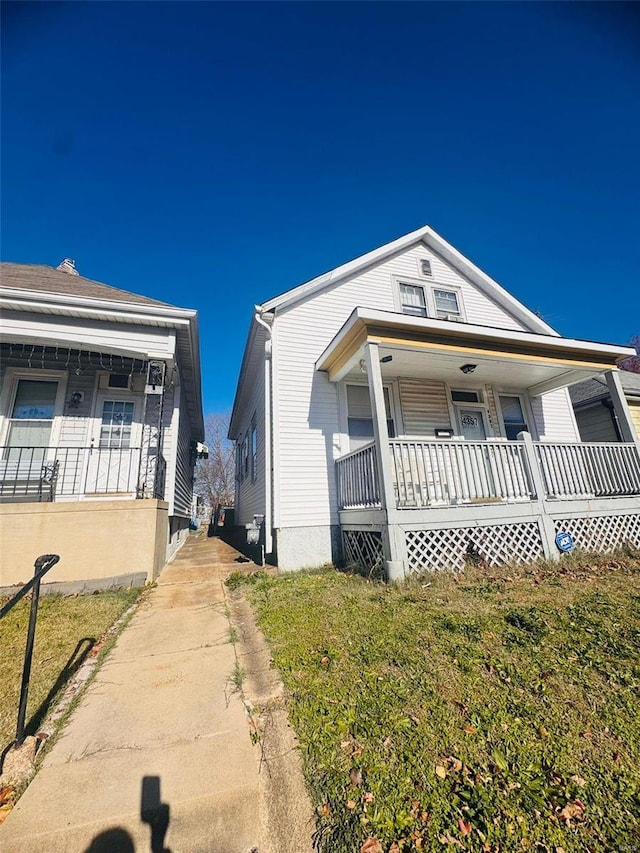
x: 572, y: 811
x: 324, y: 660
x: 6, y: 794
x: 368, y: 797
x: 386, y: 743
x: 588, y: 735
x: 543, y: 732
x: 464, y: 826
x: 325, y: 809
x: 440, y: 771
x: 4, y: 812
x: 371, y: 845
x: 351, y: 804
x: 394, y: 848
x: 470, y: 730
x: 578, y: 780
x: 356, y: 777
x: 456, y: 765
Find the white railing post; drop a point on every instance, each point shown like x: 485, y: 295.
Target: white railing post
x: 547, y: 528
x: 393, y: 554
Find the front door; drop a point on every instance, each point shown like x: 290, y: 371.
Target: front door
x: 115, y: 452
x: 472, y: 424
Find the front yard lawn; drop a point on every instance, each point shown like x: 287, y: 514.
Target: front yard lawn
x: 67, y: 629
x: 495, y: 711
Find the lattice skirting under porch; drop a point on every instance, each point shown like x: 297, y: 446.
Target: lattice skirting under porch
x: 363, y: 548
x: 603, y: 533
x: 451, y: 548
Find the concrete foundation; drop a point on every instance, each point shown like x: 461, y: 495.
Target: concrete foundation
x: 95, y: 539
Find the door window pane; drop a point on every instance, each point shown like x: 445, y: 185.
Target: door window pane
x: 117, y: 418
x: 472, y: 425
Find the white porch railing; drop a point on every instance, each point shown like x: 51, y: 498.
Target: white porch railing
x: 357, y: 474
x: 431, y: 472
x: 589, y: 470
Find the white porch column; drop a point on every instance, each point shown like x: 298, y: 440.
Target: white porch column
x: 620, y: 406
x: 393, y: 552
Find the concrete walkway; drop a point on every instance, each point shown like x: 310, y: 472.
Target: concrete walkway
x: 159, y: 755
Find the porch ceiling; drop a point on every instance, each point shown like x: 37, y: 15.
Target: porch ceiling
x: 437, y: 349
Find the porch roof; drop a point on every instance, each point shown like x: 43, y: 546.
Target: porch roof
x: 437, y: 349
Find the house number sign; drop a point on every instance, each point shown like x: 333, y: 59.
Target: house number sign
x: 564, y: 541
x: 470, y: 420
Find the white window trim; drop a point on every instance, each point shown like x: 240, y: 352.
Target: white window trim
x: 9, y: 387
x: 429, y: 286
x: 413, y: 282
x: 448, y: 288
x: 525, y: 404
x: 343, y: 410
x: 253, y: 429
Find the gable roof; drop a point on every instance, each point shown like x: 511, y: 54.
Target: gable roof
x: 44, y: 279
x: 433, y: 241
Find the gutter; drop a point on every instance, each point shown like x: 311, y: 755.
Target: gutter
x: 268, y: 472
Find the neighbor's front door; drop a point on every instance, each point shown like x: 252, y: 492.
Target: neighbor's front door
x: 115, y: 452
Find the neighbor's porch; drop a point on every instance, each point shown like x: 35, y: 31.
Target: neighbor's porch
x: 485, y: 477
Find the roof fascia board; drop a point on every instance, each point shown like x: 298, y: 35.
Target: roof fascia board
x: 466, y: 331
x: 238, y: 399
x: 27, y: 298
x: 350, y: 268
x: 439, y: 245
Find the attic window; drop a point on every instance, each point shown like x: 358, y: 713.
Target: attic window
x: 413, y: 300
x: 447, y: 305
x: 425, y: 267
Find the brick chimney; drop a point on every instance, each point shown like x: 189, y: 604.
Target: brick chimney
x: 68, y: 266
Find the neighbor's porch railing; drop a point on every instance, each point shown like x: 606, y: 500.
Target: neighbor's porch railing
x: 46, y: 473
x: 431, y: 472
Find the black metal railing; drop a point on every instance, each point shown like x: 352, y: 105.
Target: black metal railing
x: 42, y: 565
x: 45, y: 473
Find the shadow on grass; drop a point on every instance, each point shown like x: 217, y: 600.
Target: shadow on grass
x: 73, y: 664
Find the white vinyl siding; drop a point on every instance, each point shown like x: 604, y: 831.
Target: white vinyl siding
x: 554, y: 416
x: 308, y: 429
x: 425, y: 407
x: 250, y: 488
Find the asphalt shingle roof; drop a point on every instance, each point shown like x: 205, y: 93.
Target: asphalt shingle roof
x: 595, y: 389
x: 44, y: 279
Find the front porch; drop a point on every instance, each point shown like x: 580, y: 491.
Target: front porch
x: 490, y: 475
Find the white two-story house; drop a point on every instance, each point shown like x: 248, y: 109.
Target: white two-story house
x: 404, y: 411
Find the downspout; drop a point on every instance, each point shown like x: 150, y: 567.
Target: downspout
x: 268, y: 510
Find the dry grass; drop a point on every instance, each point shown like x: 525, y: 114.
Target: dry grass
x: 67, y: 630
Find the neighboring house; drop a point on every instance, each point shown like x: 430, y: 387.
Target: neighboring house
x: 595, y: 413
x: 404, y: 409
x: 100, y: 419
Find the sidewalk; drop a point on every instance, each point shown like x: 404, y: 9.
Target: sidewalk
x: 158, y: 756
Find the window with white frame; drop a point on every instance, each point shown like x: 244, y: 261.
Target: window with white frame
x: 413, y: 300
x: 447, y: 304
x: 360, y: 418
x: 254, y: 450
x: 513, y: 417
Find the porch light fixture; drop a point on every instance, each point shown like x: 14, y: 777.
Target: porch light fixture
x: 468, y: 368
